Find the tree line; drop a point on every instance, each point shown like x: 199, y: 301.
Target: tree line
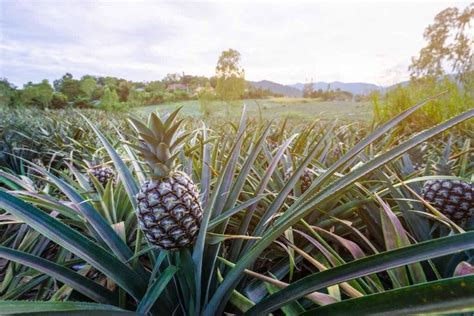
x: 112, y: 93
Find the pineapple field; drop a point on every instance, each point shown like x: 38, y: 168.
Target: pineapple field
x: 157, y: 212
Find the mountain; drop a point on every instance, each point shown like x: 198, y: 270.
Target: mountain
x: 274, y: 87
x: 296, y: 90
x: 352, y: 87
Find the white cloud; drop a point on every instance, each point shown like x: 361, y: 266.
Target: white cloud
x: 144, y: 40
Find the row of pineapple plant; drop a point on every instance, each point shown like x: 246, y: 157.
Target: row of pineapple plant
x: 191, y: 224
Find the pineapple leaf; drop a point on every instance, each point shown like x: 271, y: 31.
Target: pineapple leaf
x: 171, y: 117
x: 157, y: 127
x: 179, y: 140
x: 76, y: 243
x: 162, y: 152
x: 140, y: 127
x: 98, y: 223
x: 33, y: 307
x: 170, y: 133
x: 448, y: 296
x: 296, y: 212
x: 155, y: 290
x: 368, y: 265
x: 63, y: 274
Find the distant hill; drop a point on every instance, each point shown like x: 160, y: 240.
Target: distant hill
x: 277, y: 88
x: 352, y: 87
x: 296, y: 90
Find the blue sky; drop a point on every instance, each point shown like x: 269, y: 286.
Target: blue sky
x: 287, y: 42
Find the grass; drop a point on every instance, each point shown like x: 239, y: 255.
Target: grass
x: 293, y: 108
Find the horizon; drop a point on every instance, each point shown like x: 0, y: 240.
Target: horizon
x: 46, y: 39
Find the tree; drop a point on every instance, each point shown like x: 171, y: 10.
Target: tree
x: 136, y: 98
x: 450, y: 43
x: 58, y: 101
x: 206, y: 96
x: 57, y: 84
x: 308, y: 90
x: 155, y: 86
x: 39, y: 94
x: 110, y: 82
x: 230, y: 76
x: 110, y: 100
x: 69, y: 86
x: 9, y: 95
x: 88, y: 86
x: 172, y: 78
x: 123, y: 90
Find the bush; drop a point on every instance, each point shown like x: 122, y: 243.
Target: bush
x: 206, y: 96
x: 110, y: 101
x: 455, y: 100
x: 83, y: 103
x: 59, y: 101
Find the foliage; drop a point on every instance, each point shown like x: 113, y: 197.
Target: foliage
x: 58, y: 101
x: 69, y: 86
x: 9, y: 95
x: 123, y: 90
x: 230, y: 76
x: 110, y: 100
x: 88, y: 85
x: 206, y: 96
x: 252, y: 92
x: 454, y: 101
x: 450, y: 42
x: 328, y: 95
x: 39, y: 95
x: 360, y: 235
x: 308, y: 90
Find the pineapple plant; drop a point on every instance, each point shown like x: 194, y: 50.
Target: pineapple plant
x: 169, y: 209
x: 453, y: 198
x: 38, y: 180
x: 272, y: 143
x: 275, y: 138
x: 306, y: 178
x: 416, y: 156
x: 102, y: 173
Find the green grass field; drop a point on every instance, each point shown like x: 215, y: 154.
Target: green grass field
x: 292, y: 108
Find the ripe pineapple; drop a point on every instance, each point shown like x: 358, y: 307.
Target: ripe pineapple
x: 306, y: 178
x: 453, y: 198
x: 169, y: 210
x: 102, y: 173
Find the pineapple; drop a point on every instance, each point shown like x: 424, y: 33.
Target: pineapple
x: 169, y: 209
x: 272, y: 144
x: 453, y: 198
x: 102, y: 173
x: 306, y: 178
x: 273, y: 140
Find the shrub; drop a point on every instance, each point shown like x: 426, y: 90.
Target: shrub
x: 455, y: 100
x: 59, y: 101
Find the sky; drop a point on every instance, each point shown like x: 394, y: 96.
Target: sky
x: 282, y: 41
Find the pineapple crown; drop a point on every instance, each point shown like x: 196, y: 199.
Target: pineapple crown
x: 443, y: 166
x: 159, y: 142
